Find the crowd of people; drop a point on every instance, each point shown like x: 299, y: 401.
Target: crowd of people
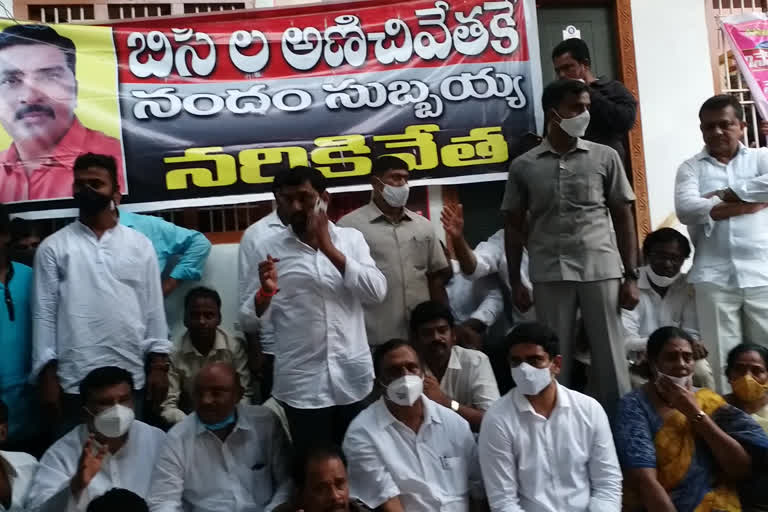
x: 379, y: 368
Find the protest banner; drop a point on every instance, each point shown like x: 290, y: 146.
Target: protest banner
x: 747, y: 37
x: 203, y: 110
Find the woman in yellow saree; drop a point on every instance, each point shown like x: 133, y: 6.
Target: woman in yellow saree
x: 682, y: 449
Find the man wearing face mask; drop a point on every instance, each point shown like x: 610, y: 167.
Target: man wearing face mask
x: 97, y: 301
x: 561, y: 198
x: 407, y: 453
x: 404, y: 245
x: 542, y: 446
x: 666, y: 298
x: 110, y: 449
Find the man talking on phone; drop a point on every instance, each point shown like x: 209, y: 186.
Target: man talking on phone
x: 313, y: 280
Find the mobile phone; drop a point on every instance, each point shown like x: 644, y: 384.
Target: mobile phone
x: 320, y: 206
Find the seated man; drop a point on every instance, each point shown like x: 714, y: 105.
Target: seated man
x: 458, y: 378
x: 666, y: 299
x: 321, y: 482
x: 203, y: 342
x: 16, y: 471
x: 118, y: 500
x: 110, y: 449
x: 406, y: 452
x: 542, y: 446
x: 225, y: 457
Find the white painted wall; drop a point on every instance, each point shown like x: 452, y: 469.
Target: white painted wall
x: 675, y: 77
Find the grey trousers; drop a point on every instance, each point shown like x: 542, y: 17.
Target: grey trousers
x: 558, y: 304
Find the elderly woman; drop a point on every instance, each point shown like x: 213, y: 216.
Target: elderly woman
x: 748, y: 376
x: 682, y: 448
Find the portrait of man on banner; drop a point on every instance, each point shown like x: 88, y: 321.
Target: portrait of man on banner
x: 39, y: 95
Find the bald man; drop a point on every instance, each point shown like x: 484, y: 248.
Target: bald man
x: 225, y: 456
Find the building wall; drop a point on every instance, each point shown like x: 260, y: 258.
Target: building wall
x: 675, y: 77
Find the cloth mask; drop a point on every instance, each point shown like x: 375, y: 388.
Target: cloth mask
x: 396, y: 197
x: 661, y: 281
x: 91, y: 202
x: 114, y: 422
x: 747, y: 389
x: 405, y: 390
x: 684, y: 382
x: 220, y: 425
x: 575, y: 126
x: 531, y: 380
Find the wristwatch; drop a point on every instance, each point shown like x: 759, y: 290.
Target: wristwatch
x: 455, y: 405
x: 699, y: 417
x: 632, y: 274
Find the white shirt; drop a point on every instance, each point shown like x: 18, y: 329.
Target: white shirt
x: 97, y: 302
x: 129, y: 468
x: 20, y: 468
x: 731, y: 252
x: 480, y: 299
x: 247, y: 472
x: 677, y: 308
x: 247, y: 266
x: 324, y: 359
x: 432, y: 471
x: 564, y: 463
x: 469, y: 379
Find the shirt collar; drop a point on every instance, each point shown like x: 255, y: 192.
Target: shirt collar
x: 546, y: 147
x: 66, y: 151
x: 273, y: 220
x: 384, y: 418
x: 704, y: 154
x: 219, y: 343
x: 523, y: 405
x: 241, y: 423
x: 8, y: 466
x: 454, y: 363
x: 374, y: 213
x: 644, y: 283
x: 333, y: 229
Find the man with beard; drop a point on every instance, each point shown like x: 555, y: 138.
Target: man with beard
x: 322, y: 483
x: 97, y: 301
x: 38, y: 97
x: 313, y: 281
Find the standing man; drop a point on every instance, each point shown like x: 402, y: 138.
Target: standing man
x: 313, y: 280
x: 97, y: 301
x: 721, y: 194
x: 613, y: 107
x: 544, y: 447
x: 562, y: 196
x: 404, y: 245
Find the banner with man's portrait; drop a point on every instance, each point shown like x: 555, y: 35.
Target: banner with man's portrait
x: 204, y: 109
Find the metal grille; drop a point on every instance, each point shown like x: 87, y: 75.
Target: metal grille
x: 60, y: 13
x: 731, y: 81
x: 198, y: 8
x: 128, y: 11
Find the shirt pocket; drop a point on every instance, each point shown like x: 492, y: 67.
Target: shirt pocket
x: 581, y: 188
x: 417, y: 252
x: 452, y: 473
x: 261, y: 480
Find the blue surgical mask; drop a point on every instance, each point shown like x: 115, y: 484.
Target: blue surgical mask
x: 220, y: 425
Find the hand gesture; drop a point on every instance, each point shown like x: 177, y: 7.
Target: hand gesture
x: 268, y: 275
x: 318, y: 225
x: 629, y: 295
x: 677, y: 396
x: 433, y: 391
x: 452, y: 218
x: 521, y: 297
x: 89, y: 465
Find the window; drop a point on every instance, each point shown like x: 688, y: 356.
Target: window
x: 128, y: 11
x: 60, y: 13
x: 198, y: 8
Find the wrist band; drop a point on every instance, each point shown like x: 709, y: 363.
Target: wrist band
x: 261, y: 293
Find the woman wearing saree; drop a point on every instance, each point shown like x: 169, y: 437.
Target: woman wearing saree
x: 682, y: 449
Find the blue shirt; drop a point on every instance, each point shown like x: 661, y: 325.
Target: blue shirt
x: 16, y: 352
x: 172, y: 241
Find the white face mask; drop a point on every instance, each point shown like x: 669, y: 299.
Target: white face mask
x: 531, y: 380
x: 575, y: 126
x: 405, y: 390
x: 114, y: 422
x: 684, y: 382
x: 661, y: 281
x: 396, y: 197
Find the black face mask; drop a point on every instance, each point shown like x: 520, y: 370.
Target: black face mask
x: 91, y: 202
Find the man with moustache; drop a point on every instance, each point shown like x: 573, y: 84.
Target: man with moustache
x: 38, y: 97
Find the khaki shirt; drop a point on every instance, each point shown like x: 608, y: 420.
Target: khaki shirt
x: 186, y: 362
x: 405, y: 253
x: 568, y: 199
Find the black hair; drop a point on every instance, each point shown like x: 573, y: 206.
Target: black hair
x: 29, y: 34
x: 315, y: 453
x: 22, y: 228
x: 104, y: 377
x: 534, y: 333
x: 105, y: 162
x: 118, y: 500
x: 382, y: 350
x: 666, y: 235
x: 429, y: 311
x: 743, y: 348
x: 661, y: 337
x: 202, y: 292
x: 5, y: 220
x: 298, y: 175
x: 3, y: 413
x: 721, y: 101
x: 388, y: 163
x: 576, y: 47
x: 555, y: 92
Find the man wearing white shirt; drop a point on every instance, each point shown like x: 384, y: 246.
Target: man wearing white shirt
x: 225, y: 457
x: 313, y: 281
x: 457, y: 378
x: 721, y: 194
x: 666, y: 298
x: 544, y: 447
x: 97, y: 300
x: 110, y: 449
x: 407, y: 453
x: 16, y: 471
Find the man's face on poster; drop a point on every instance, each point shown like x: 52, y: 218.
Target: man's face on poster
x: 38, y: 93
